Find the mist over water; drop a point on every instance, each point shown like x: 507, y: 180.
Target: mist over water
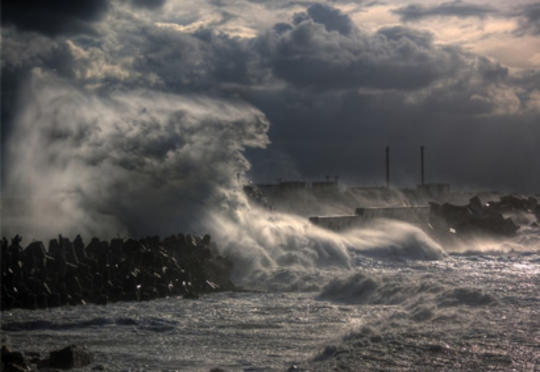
x: 286, y: 252
x: 124, y: 162
x: 132, y: 163
x: 136, y: 118
x: 141, y: 162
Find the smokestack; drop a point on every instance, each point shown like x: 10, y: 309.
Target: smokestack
x: 422, y: 165
x: 387, y: 167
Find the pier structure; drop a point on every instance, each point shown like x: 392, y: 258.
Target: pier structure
x: 418, y: 215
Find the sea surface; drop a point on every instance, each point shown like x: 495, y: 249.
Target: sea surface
x: 472, y: 310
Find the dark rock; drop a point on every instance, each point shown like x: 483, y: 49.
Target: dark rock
x: 509, y: 203
x: 475, y: 204
x: 190, y: 295
x: 55, y: 250
x: 13, y: 360
x: 34, y: 255
x: 71, y: 254
x: 92, y: 248
x: 16, y: 368
x: 183, y: 265
x: 12, y: 357
x: 471, y: 219
x: 435, y: 348
x: 117, y: 251
x: 43, y: 364
x: 29, y: 301
x: 42, y: 300
x: 33, y: 356
x: 78, y: 245
x: 72, y: 356
x: 100, y: 299
x: 8, y: 301
x: 54, y: 300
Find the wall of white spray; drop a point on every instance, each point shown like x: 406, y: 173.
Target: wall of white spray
x: 144, y: 162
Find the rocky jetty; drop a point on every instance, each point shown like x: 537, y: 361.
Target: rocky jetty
x: 72, y: 273
x: 513, y: 203
x: 477, y: 218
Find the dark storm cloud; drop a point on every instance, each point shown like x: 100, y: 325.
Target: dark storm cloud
x: 456, y: 8
x: 308, y: 54
x: 529, y: 19
x: 203, y: 61
x: 348, y: 96
x: 335, y: 95
x: 345, y: 133
x: 280, y: 4
x: 149, y: 3
x: 393, y: 58
x: 331, y: 18
x: 53, y: 17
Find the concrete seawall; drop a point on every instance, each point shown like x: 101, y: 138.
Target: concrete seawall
x: 415, y: 215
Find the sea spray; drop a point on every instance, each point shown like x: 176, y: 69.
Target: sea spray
x: 123, y: 162
x: 391, y: 239
x: 286, y: 252
x: 144, y: 162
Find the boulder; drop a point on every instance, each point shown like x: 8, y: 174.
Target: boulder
x: 13, y: 360
x: 509, y: 203
x: 12, y: 357
x: 106, y: 272
x: 16, y: 368
x: 69, y: 249
x: 470, y: 219
x: 78, y: 245
x: 475, y: 205
x: 56, y: 251
x: 34, y: 255
x: 72, y: 356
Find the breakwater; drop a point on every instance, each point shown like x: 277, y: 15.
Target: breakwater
x: 72, y: 273
x: 448, y: 221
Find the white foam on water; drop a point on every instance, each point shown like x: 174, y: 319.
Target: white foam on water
x: 269, y: 247
x: 142, y: 162
x: 526, y: 240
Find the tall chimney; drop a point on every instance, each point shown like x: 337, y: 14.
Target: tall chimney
x: 387, y: 167
x: 422, y: 165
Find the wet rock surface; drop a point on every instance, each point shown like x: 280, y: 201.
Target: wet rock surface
x: 72, y: 273
x: 13, y: 360
x: 477, y: 218
x: 70, y: 357
x: 509, y: 203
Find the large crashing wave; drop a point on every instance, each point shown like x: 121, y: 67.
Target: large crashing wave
x: 143, y: 162
x: 128, y: 162
x: 286, y: 252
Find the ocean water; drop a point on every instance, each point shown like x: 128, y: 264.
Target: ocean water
x: 474, y: 307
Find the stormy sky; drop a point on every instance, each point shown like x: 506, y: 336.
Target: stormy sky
x: 337, y: 81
